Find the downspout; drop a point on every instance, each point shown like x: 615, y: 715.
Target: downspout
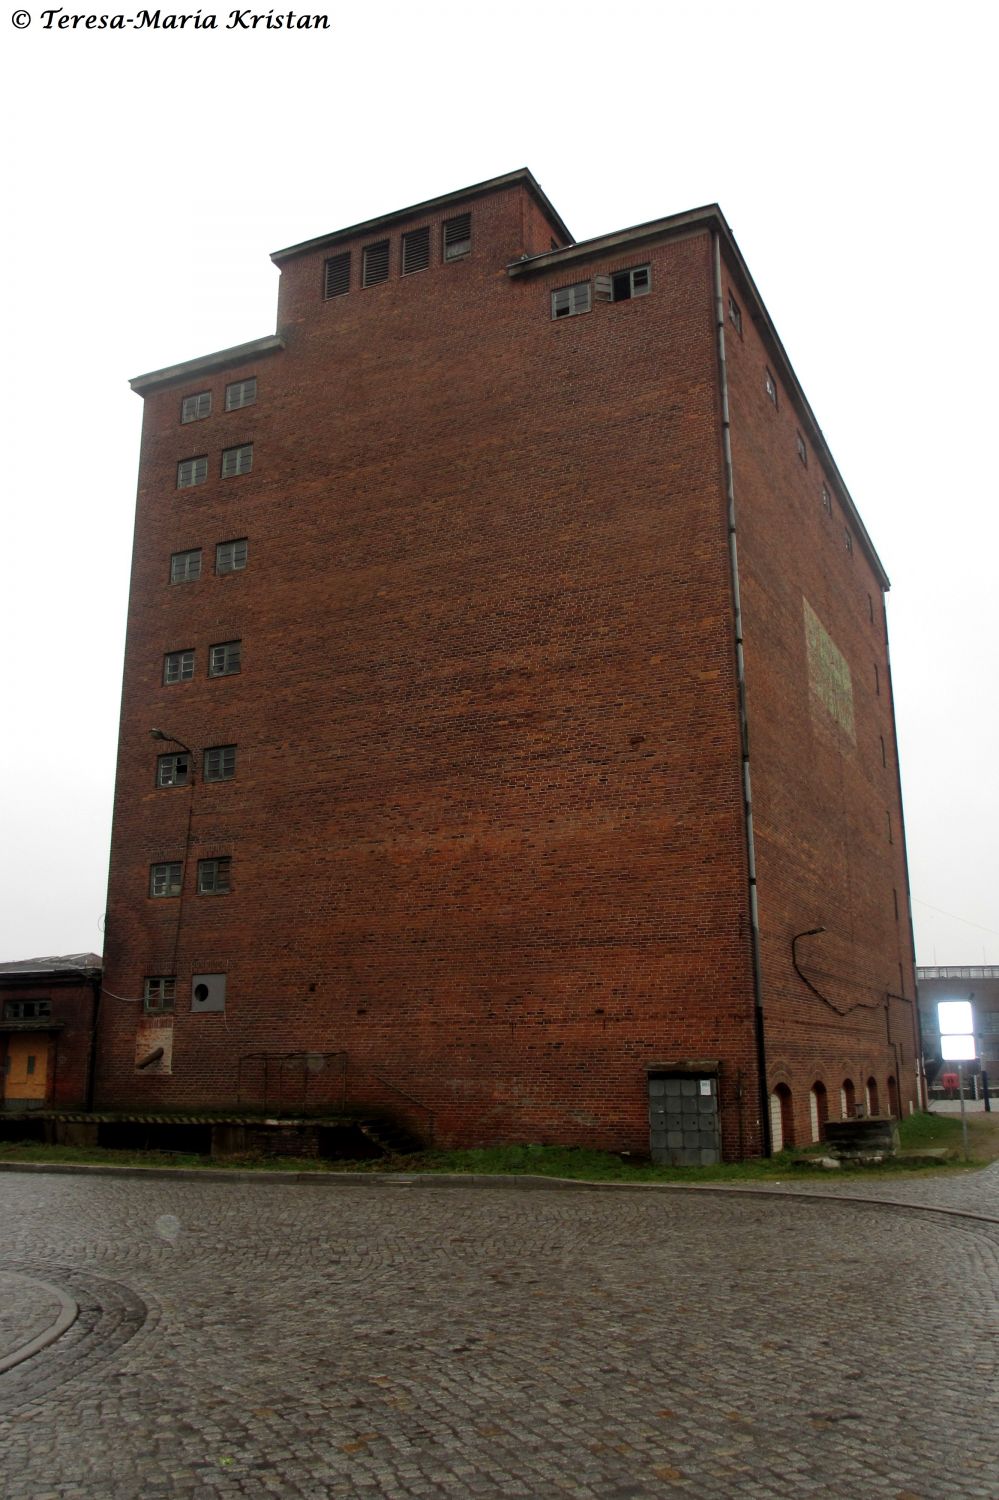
x: 95, y: 1017
x: 740, y: 670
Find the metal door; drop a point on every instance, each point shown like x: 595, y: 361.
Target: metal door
x: 26, y: 1069
x: 683, y: 1120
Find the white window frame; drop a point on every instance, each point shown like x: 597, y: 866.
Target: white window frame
x: 209, y: 871
x: 225, y: 658
x: 192, y: 471
x: 178, y: 666
x: 238, y: 561
x: 215, y: 769
x: 174, y: 769
x: 196, y: 408
x: 572, y: 301
x: 241, y: 393
x: 186, y: 573
x: 163, y: 884
x: 237, y: 460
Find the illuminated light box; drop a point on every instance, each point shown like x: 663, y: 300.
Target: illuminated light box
x: 955, y: 1017
x: 958, y: 1048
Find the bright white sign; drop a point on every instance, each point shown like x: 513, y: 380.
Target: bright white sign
x: 955, y: 1017
x: 958, y: 1048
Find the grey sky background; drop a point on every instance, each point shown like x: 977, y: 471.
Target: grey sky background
x: 148, y: 174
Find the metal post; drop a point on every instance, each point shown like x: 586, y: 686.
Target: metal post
x: 964, y: 1117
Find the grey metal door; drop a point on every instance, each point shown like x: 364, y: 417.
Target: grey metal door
x: 683, y: 1120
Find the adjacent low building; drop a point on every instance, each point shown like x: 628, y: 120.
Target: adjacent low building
x: 977, y: 983
x: 48, y: 1011
x: 507, y: 732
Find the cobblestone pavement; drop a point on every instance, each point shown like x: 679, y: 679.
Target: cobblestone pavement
x: 401, y: 1340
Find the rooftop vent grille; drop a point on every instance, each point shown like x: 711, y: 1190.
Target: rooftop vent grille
x: 336, y: 280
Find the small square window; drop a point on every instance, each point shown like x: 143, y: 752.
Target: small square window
x: 802, y: 448
x: 336, y: 275
x: 178, y: 666
x: 415, y: 251
x: 771, y: 386
x: 173, y: 770
x: 220, y: 763
x: 213, y: 876
x: 193, y: 408
x: 241, y: 393
x: 230, y: 557
x: 569, y: 301
x: 826, y: 500
x: 735, y: 314
x: 224, y: 659
x: 237, y: 460
x: 457, y: 237
x: 375, y: 263
x: 164, y: 880
x: 191, y: 471
x: 159, y: 993
x: 185, y: 567
x: 27, y: 1010
x: 634, y: 283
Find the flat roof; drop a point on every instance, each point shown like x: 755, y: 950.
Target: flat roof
x: 522, y: 176
x: 205, y: 364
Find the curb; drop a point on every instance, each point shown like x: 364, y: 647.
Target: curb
x: 479, y: 1180
x: 68, y: 1314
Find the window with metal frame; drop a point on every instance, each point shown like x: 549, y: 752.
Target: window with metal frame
x: 27, y: 1010
x: 225, y: 658
x: 191, y: 471
x: 237, y: 460
x: 457, y: 237
x: 735, y: 314
x: 375, y: 263
x: 826, y: 500
x: 185, y: 567
x: 165, y: 879
x: 230, y: 557
x: 802, y: 448
x: 415, y: 250
x: 214, y: 876
x: 847, y: 539
x: 241, y: 393
x: 220, y: 763
x: 336, y: 275
x: 173, y: 770
x: 570, y: 301
x: 770, y: 386
x: 178, y: 666
x: 159, y: 993
x: 636, y: 282
x: 193, y: 408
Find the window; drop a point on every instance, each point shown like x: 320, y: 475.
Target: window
x: 457, y: 237
x: 802, y: 448
x: 884, y: 752
x: 159, y: 993
x: 771, y: 386
x: 27, y: 1010
x: 568, y: 301
x: 415, y: 251
x: 191, y: 471
x: 375, y: 263
x: 193, y: 408
x: 178, y: 666
x: 237, y: 460
x: 213, y: 876
x: 891, y: 836
x: 230, y: 557
x: 847, y: 539
x: 877, y: 680
x: 735, y: 314
x: 241, y: 393
x: 634, y: 283
x: 220, y: 763
x: 336, y: 275
x: 224, y: 659
x: 185, y: 567
x: 826, y: 500
x: 173, y: 770
x: 164, y: 880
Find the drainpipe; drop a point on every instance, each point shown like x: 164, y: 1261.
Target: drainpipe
x: 95, y: 1016
x: 740, y: 669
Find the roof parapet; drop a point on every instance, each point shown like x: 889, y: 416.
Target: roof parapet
x: 207, y: 363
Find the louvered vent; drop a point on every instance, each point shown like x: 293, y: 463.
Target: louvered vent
x: 337, y: 276
x: 415, y: 251
x: 457, y: 237
x: 376, y: 263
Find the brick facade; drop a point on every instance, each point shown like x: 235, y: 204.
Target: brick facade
x: 47, y: 1011
x: 487, y: 831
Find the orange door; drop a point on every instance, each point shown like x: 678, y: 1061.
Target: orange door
x: 27, y: 1066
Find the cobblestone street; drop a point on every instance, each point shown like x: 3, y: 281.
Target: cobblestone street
x: 396, y: 1339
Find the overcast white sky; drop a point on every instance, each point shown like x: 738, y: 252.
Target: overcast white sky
x: 149, y: 174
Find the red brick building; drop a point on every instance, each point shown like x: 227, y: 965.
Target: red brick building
x: 48, y: 1012
x: 522, y: 660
